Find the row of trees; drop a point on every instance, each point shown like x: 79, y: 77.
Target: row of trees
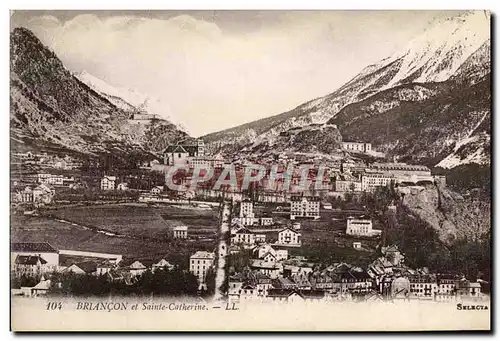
x: 161, y: 282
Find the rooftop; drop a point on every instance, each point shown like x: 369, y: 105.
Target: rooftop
x: 203, y: 255
x: 30, y: 260
x: 32, y: 247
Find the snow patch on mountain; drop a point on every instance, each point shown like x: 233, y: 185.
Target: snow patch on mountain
x: 477, y: 145
x: 130, y: 99
x: 437, y: 54
x: 477, y: 155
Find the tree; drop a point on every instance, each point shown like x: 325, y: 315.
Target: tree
x: 352, y: 187
x: 210, y: 281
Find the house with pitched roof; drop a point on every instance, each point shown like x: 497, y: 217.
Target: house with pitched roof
x: 108, y: 183
x: 136, y: 268
x: 199, y: 263
x: 247, y: 238
x: 322, y: 281
x: 262, y: 250
x: 295, y: 295
x: 105, y: 267
x: 302, y: 281
x: 42, y: 288
x: 30, y: 266
x: 122, y: 186
x: 181, y: 153
x: 157, y: 190
x: 176, y: 155
x: 289, y: 237
x: 393, y: 254
x: 43, y: 250
x: 162, y: 264
x: 83, y: 268
x: 271, y: 269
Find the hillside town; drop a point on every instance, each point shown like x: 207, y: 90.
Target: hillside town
x: 250, y: 170
x: 269, y: 224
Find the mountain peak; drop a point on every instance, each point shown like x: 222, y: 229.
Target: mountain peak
x: 402, y: 95
x: 51, y: 106
x: 24, y: 32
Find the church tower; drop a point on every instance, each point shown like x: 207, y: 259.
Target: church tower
x: 201, y: 147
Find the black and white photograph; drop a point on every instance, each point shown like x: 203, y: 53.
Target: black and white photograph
x: 250, y: 170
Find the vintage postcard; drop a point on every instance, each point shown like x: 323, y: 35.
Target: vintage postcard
x: 250, y: 170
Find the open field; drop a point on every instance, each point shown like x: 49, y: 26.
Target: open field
x: 142, y: 233
x: 140, y: 220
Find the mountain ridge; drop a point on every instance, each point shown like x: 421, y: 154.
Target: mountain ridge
x: 52, y: 107
x: 461, y: 50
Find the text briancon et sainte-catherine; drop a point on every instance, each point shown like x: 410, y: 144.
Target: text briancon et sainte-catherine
x: 114, y: 306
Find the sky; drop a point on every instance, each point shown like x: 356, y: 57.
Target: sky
x: 213, y: 70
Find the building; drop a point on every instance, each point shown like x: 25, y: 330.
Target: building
x: 108, y: 183
x: 346, y: 183
x: 393, y: 254
x: 361, y: 227
x: 271, y: 269
x: 465, y: 288
x: 162, y: 265
x: 42, y: 250
x: 270, y: 257
x: 440, y: 180
x: 236, y: 283
x: 181, y: 154
x: 357, y: 146
x: 402, y: 172
x: 50, y: 179
x: 264, y: 249
x: 370, y: 181
x: 423, y: 286
x: 350, y: 279
x: 123, y: 186
x: 176, y: 155
x: 296, y: 226
x: 400, y: 168
x: 266, y: 221
x: 289, y: 237
x: 243, y: 236
x: 22, y: 195
x: 199, y: 263
x: 247, y: 217
x: 157, y: 190
x: 304, y: 207
x: 401, y: 288
x: 295, y: 295
x: 327, y: 206
x: 30, y: 266
x: 347, y: 186
x: 104, y: 267
x: 180, y: 232
x: 83, y: 268
x: 42, y: 194
x: 206, y: 161
x: 446, y: 285
x: 42, y: 288
x: 137, y: 268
